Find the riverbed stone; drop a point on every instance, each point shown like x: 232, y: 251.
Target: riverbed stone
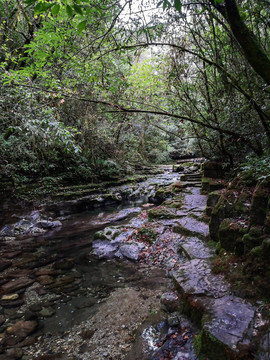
x: 47, y: 312
x: 16, y: 284
x: 170, y: 301
x: 45, y: 279
x: 131, y: 251
x: 22, y: 328
x: 104, y: 249
x: 10, y: 297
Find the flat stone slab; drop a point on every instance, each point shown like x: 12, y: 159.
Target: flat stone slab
x: 195, y: 278
x: 228, y: 321
x: 195, y: 200
x: 194, y: 248
x: 189, y: 225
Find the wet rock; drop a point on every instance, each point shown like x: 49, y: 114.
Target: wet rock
x: 10, y: 297
x: 46, y: 224
x: 194, y: 248
x: 190, y: 226
x: 225, y: 327
x: 169, y: 301
x: 147, y: 206
x: 104, y: 249
x: 259, y: 205
x: 12, y: 354
x: 123, y: 214
x: 264, y: 348
x: 161, y: 212
x: 5, y: 264
x: 174, y: 320
x: 45, y: 279
x: 47, y: 312
x: 195, y: 278
x: 22, y: 328
x: 131, y: 251
x: 16, y: 284
x: 229, y: 232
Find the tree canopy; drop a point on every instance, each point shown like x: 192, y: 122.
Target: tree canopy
x: 91, y: 88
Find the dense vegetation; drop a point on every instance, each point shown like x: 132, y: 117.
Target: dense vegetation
x: 91, y: 88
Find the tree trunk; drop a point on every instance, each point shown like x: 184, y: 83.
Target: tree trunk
x: 253, y: 51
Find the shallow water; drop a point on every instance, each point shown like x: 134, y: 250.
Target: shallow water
x: 80, y: 282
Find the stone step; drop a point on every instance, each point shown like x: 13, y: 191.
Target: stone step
x: 225, y: 320
x: 194, y: 248
x: 188, y: 177
x: 189, y: 226
x: 186, y: 184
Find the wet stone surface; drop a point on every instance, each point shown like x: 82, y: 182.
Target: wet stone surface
x: 73, y: 296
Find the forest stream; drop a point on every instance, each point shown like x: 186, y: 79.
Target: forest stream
x: 104, y: 285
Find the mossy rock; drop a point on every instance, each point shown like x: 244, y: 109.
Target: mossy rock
x: 231, y: 204
x: 147, y: 234
x: 212, y: 169
x: 251, y: 242
x: 178, y: 186
x: 259, y: 205
x: 212, y: 348
x: 267, y: 222
x: 257, y: 268
x: 162, y: 194
x: 209, y: 185
x: 161, y: 213
x: 213, y: 198
x: 109, y: 233
x: 229, y: 232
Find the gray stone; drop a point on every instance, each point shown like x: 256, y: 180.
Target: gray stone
x: 104, y: 249
x: 194, y: 248
x: 47, y: 312
x: 228, y: 321
x: 264, y: 348
x: 195, y: 278
x: 174, y: 320
x: 131, y: 251
x: 169, y: 301
x: 189, y: 225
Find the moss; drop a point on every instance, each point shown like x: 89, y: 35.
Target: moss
x: 213, y: 198
x: 147, y: 234
x: 229, y: 232
x: 178, y: 186
x: 162, y: 194
x: 210, y: 185
x: 99, y: 235
x: 192, y: 308
x: 198, y: 347
x: 213, y: 170
x: 259, y: 205
x: 161, y: 213
x: 213, y: 349
x: 186, y: 232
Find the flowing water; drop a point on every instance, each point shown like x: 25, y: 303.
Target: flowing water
x: 68, y: 286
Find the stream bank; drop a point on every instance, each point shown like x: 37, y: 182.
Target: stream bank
x: 77, y: 299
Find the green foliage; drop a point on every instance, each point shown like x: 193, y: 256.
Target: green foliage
x: 256, y: 168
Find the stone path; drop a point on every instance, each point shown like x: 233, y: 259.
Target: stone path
x: 172, y: 237
x: 226, y: 321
